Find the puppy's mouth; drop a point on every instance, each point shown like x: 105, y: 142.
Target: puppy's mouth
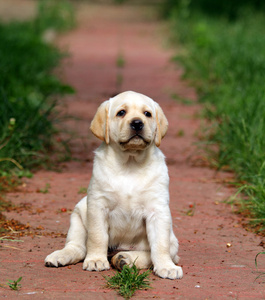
x: 136, y: 142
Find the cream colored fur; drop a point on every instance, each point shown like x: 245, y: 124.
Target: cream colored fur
x: 127, y: 202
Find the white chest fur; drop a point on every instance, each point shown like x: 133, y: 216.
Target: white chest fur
x: 128, y: 193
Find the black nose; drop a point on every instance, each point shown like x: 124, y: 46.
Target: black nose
x: 137, y: 125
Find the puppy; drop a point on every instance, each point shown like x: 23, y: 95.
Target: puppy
x: 127, y: 202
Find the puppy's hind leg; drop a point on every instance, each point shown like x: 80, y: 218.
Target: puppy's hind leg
x: 75, y: 248
x: 141, y: 259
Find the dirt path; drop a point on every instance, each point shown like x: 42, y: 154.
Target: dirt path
x: 107, y: 38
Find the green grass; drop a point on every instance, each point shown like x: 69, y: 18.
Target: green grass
x: 14, y: 284
x: 82, y: 190
x: 29, y: 88
x: 256, y: 264
x: 120, y: 61
x: 58, y: 15
x: 128, y: 281
x: 45, y: 190
x: 225, y: 61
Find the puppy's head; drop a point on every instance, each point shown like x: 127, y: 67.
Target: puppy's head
x: 131, y: 120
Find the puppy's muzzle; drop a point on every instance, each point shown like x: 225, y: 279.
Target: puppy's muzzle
x: 136, y: 140
x: 137, y: 125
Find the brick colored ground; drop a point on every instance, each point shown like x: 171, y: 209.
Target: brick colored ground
x: 211, y: 269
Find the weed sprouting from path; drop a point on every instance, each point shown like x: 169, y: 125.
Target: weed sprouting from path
x: 128, y: 281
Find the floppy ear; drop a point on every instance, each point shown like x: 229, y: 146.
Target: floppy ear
x: 162, y: 125
x: 100, y: 123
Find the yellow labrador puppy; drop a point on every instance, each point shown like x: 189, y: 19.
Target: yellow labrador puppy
x: 127, y: 202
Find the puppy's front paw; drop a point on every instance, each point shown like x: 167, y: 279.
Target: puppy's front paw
x: 64, y: 257
x: 170, y: 272
x: 96, y: 264
x: 58, y: 259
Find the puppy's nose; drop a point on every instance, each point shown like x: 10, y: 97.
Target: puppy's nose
x: 136, y: 125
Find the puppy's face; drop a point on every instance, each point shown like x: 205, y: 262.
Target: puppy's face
x: 130, y: 120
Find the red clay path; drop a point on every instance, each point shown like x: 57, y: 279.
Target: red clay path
x: 217, y: 254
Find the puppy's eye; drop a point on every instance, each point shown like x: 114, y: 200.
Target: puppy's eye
x: 147, y: 114
x: 121, y: 113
